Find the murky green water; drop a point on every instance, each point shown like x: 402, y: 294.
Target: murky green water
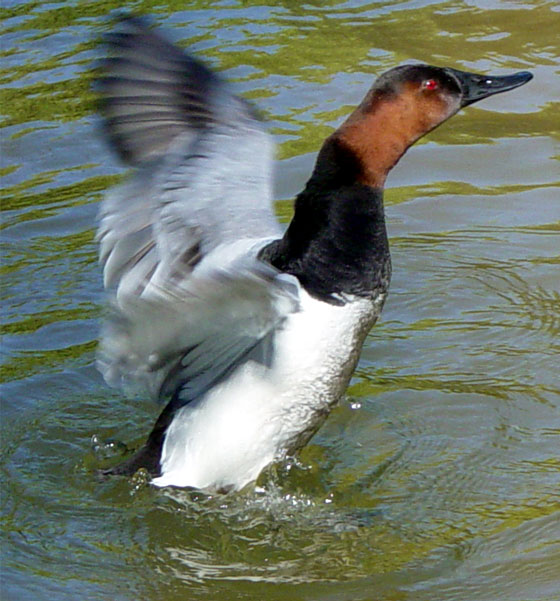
x: 439, y: 477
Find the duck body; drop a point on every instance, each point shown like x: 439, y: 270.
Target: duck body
x: 261, y: 412
x: 248, y: 335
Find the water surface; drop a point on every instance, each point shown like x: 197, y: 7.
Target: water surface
x: 438, y: 477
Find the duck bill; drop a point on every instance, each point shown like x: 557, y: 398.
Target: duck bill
x: 475, y: 87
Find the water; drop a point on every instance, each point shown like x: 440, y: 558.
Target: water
x: 438, y: 478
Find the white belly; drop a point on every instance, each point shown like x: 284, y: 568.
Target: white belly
x: 224, y: 439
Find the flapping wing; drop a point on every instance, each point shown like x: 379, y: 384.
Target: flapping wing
x: 181, y: 317
x: 151, y: 91
x: 204, y: 161
x: 187, y: 339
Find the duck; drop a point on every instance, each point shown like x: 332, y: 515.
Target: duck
x: 246, y: 333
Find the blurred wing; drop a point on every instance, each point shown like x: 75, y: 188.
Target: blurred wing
x: 185, y: 341
x: 183, y: 318
x: 151, y: 91
x: 204, y: 162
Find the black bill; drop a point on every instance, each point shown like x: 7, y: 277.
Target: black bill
x: 475, y: 87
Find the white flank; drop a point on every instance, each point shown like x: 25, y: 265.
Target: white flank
x: 225, y: 438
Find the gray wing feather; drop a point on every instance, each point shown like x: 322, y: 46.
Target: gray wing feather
x: 187, y: 339
x: 205, y: 173
x: 181, y: 318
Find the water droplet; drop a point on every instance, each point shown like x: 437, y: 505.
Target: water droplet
x: 105, y: 449
x: 139, y: 480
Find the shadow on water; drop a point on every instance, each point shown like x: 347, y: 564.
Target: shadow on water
x: 438, y: 476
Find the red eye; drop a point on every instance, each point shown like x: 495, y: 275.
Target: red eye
x: 431, y: 84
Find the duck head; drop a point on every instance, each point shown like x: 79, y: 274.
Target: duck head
x: 404, y: 104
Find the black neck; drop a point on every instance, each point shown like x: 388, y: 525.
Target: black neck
x: 336, y: 244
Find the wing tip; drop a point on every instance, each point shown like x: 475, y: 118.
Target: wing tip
x: 144, y: 71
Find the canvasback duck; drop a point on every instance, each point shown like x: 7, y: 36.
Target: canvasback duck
x: 248, y: 335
